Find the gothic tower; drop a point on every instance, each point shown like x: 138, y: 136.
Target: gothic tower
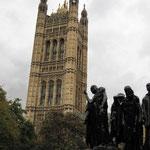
x: 58, y: 74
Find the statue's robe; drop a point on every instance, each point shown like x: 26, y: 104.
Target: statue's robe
x: 97, y: 120
x: 146, y: 115
x: 133, y: 127
x: 117, y: 121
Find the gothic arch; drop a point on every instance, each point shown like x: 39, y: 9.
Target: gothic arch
x: 54, y: 51
x: 43, y: 92
x: 62, y: 48
x: 47, y: 50
x: 51, y: 92
x: 78, y: 56
x: 58, y: 91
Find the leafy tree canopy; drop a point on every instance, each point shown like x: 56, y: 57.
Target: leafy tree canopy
x: 62, y: 132
x: 9, y: 130
x: 2, y: 94
x: 15, y: 132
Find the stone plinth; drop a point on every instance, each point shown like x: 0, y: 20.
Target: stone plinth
x: 105, y: 148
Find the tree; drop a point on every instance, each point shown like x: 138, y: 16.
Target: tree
x: 15, y: 132
x: 17, y: 111
x: 62, y: 132
x: 2, y: 94
x: 27, y: 137
x: 9, y: 131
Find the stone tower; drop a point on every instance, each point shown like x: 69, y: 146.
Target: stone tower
x: 58, y: 74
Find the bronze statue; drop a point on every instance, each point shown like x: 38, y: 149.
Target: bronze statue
x: 96, y: 118
x: 132, y: 121
x: 116, y: 118
x: 146, y: 115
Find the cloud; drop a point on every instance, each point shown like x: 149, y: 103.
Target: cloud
x: 118, y: 54
x: 119, y: 45
x: 16, y: 40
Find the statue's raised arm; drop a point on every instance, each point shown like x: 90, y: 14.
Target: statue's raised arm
x: 94, y: 90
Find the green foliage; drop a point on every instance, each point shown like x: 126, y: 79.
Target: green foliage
x: 15, y: 132
x: 59, y: 131
x: 2, y: 94
x: 17, y: 111
x: 27, y: 136
x: 62, y: 132
x: 9, y: 131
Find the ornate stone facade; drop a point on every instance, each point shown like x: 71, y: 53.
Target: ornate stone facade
x: 58, y: 73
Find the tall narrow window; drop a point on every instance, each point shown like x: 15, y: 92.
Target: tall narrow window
x: 58, y: 92
x: 78, y: 56
x: 47, y: 52
x: 62, y: 46
x: 54, y: 49
x: 76, y: 101
x: 43, y: 93
x: 51, y: 91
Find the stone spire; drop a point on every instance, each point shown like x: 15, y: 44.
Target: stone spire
x: 84, y: 12
x: 63, y: 8
x: 65, y: 4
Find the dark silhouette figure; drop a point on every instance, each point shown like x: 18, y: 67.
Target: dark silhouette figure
x: 96, y: 118
x: 146, y: 115
x: 116, y: 118
x: 132, y: 119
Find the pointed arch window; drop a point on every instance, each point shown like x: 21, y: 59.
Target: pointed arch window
x: 76, y: 101
x: 47, y: 53
x: 62, y: 46
x: 54, y: 49
x: 58, y: 92
x: 78, y: 57
x: 43, y: 93
x: 51, y: 92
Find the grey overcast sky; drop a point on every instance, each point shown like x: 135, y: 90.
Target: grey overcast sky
x: 118, y: 52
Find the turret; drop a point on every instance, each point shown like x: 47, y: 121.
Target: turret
x: 73, y: 8
x: 84, y: 31
x: 39, y: 33
x: 43, y: 6
x: 74, y: 3
x: 71, y: 56
x: 84, y: 19
x: 36, y: 59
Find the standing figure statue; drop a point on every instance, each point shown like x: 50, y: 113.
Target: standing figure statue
x: 96, y: 118
x: 132, y: 121
x: 146, y: 115
x: 116, y: 118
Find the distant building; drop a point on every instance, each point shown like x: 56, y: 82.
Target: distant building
x: 58, y: 73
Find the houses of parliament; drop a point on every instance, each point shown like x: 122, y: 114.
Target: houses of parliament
x: 58, y: 74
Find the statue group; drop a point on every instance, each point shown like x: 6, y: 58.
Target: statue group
x: 126, y: 121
